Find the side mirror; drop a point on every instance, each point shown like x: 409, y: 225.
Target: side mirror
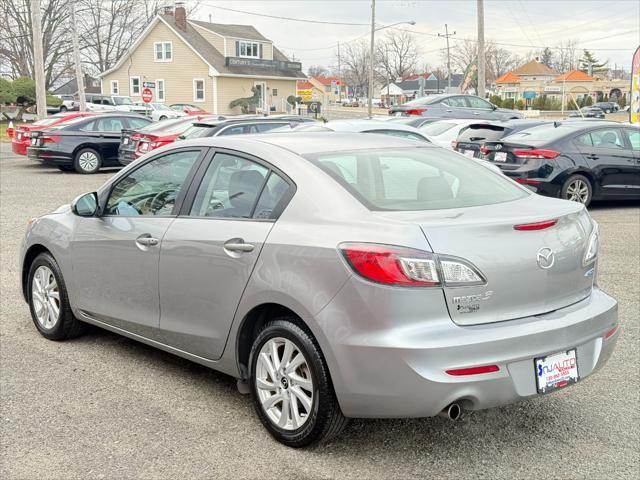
x: 85, y: 205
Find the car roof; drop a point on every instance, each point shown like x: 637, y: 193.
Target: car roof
x: 245, y: 119
x: 362, y: 125
x: 305, y: 143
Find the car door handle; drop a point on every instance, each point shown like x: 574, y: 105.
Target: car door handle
x: 238, y: 245
x: 592, y: 156
x: 449, y: 111
x: 147, y: 241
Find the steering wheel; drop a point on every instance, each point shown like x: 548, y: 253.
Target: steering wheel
x: 161, y: 199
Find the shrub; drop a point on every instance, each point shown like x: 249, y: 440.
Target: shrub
x: 622, y: 101
x: 508, y: 103
x: 496, y: 100
x: 588, y: 101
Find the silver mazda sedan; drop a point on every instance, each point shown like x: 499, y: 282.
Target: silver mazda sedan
x: 335, y: 275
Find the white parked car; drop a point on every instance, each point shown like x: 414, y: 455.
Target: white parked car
x: 99, y: 102
x: 156, y: 111
x: 443, y: 132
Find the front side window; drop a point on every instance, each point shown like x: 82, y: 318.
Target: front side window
x: 163, y: 51
x: 634, y: 139
x: 106, y: 125
x: 230, y: 188
x: 198, y: 90
x: 607, y: 138
x: 414, y: 179
x: 153, y: 188
x: 160, y: 90
x: 115, y: 87
x: 477, y: 102
x: 249, y: 49
x: 458, y: 102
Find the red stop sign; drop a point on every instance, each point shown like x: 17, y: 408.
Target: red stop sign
x: 147, y: 95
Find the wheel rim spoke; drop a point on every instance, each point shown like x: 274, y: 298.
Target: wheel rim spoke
x: 45, y: 297
x: 284, y: 384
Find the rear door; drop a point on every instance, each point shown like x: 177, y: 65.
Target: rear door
x: 606, y: 152
x: 105, y: 134
x: 480, y: 108
x: 456, y: 107
x: 210, y: 250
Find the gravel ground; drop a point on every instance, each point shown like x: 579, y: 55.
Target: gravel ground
x: 102, y: 406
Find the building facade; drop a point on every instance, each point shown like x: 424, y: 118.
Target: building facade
x: 204, y: 64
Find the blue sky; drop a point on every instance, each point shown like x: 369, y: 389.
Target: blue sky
x: 610, y: 28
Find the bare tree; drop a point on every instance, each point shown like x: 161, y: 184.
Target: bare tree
x: 16, y: 43
x: 499, y: 61
x: 317, y: 71
x: 397, y: 55
x: 567, y: 57
x: 355, y: 65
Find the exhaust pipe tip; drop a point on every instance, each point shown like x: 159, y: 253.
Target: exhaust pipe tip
x: 453, y: 412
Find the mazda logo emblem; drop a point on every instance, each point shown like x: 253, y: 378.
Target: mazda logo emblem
x: 546, y: 258
x: 499, y: 147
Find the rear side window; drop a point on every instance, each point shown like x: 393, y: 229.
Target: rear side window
x: 607, y: 138
x: 236, y: 130
x: 416, y: 179
x: 137, y: 122
x: 197, y: 131
x: 265, y: 127
x: 481, y: 133
x: 634, y: 139
x: 458, y: 102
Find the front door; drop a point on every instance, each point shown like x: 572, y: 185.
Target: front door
x: 116, y: 255
x: 262, y: 91
x: 210, y: 250
x: 456, y: 107
x: 606, y: 153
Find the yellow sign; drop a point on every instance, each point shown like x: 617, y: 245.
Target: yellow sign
x: 634, y: 108
x: 307, y: 95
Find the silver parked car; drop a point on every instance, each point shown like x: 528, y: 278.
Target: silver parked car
x: 335, y: 275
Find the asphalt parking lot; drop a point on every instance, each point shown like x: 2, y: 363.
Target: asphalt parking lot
x: 103, y: 406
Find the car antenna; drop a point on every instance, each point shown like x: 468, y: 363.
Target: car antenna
x: 556, y: 124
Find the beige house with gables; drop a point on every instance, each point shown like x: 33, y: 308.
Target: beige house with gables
x: 204, y: 64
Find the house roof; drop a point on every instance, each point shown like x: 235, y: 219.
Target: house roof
x: 304, y: 85
x: 508, y: 77
x: 574, y: 76
x: 326, y: 80
x: 534, y: 68
x: 228, y: 30
x: 71, y: 87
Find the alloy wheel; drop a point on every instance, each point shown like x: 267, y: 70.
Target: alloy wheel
x: 88, y: 161
x: 45, y: 297
x: 284, y: 383
x: 578, y: 191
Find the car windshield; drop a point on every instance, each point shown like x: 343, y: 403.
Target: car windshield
x: 540, y: 135
x: 122, y: 101
x: 436, y: 128
x: 160, y: 106
x: 481, y: 133
x: 412, y: 179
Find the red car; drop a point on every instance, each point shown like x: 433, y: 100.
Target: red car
x: 135, y: 143
x: 22, y: 138
x: 188, y: 109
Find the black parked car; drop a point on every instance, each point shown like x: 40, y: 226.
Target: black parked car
x: 471, y: 139
x: 84, y: 145
x: 607, y: 107
x: 578, y: 160
x: 588, y: 112
x: 241, y: 125
x: 454, y: 106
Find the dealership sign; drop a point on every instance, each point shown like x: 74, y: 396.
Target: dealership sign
x: 306, y: 94
x: 552, y: 89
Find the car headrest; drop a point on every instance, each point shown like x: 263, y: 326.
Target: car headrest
x: 244, y: 187
x: 434, y: 189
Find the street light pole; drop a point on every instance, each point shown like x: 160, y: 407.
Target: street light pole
x: 76, y: 56
x: 38, y: 60
x: 481, y: 67
x: 373, y: 29
x: 447, y: 35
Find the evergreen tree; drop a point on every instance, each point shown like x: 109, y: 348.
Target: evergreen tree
x: 547, y: 57
x: 590, y: 64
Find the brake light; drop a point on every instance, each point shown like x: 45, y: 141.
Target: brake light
x: 143, y: 146
x: 484, y: 150
x: 527, y: 227
x: 611, y: 332
x: 454, y: 144
x: 415, y: 111
x: 392, y: 265
x: 50, y: 138
x: 456, y: 372
x: 536, y: 153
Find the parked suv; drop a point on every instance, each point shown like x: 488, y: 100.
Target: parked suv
x: 69, y: 103
x: 607, y: 107
x: 454, y: 106
x: 97, y: 102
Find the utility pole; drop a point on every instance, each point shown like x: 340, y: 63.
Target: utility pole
x: 38, y: 67
x: 76, y: 56
x: 447, y: 35
x: 481, y: 67
x: 373, y: 29
x: 339, y: 76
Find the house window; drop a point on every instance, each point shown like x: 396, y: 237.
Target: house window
x: 274, y: 92
x: 198, y: 90
x: 135, y: 86
x: 163, y: 51
x: 248, y: 49
x: 160, y: 90
x: 115, y: 87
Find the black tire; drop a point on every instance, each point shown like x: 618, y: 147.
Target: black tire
x: 63, y: 109
x: 571, y: 187
x: 326, y: 419
x: 66, y: 168
x: 162, y: 118
x: 79, y: 165
x: 67, y: 326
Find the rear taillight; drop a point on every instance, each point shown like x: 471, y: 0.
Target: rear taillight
x: 527, y: 227
x: 484, y: 150
x: 454, y: 144
x: 611, y: 332
x: 392, y: 265
x: 591, y: 252
x: 143, y: 146
x: 415, y: 111
x: 536, y: 153
x: 50, y: 138
x: 528, y: 181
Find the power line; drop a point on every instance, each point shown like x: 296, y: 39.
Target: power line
x: 289, y: 18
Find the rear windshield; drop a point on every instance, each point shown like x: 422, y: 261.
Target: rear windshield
x: 197, y: 131
x: 416, y: 179
x: 540, y: 135
x: 481, y: 133
x: 424, y: 101
x: 169, y: 127
x: 436, y: 128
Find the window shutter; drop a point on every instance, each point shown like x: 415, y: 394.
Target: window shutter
x: 237, y: 48
x: 260, y: 55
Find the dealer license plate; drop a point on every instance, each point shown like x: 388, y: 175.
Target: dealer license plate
x: 469, y: 153
x: 500, y: 157
x: 556, y: 371
x: 125, y: 140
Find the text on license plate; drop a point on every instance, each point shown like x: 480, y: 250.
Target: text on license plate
x: 469, y: 153
x: 125, y: 140
x: 556, y: 371
x: 500, y: 157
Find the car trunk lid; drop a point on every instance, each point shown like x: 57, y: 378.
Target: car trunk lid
x: 519, y: 282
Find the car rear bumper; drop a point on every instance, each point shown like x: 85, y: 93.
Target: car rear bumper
x: 126, y: 157
x: 48, y: 156
x: 19, y: 148
x: 400, y: 371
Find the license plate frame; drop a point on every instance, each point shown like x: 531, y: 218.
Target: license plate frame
x: 469, y: 153
x: 500, y: 157
x: 562, y: 375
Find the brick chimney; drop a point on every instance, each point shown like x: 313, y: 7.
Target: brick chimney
x: 180, y: 15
